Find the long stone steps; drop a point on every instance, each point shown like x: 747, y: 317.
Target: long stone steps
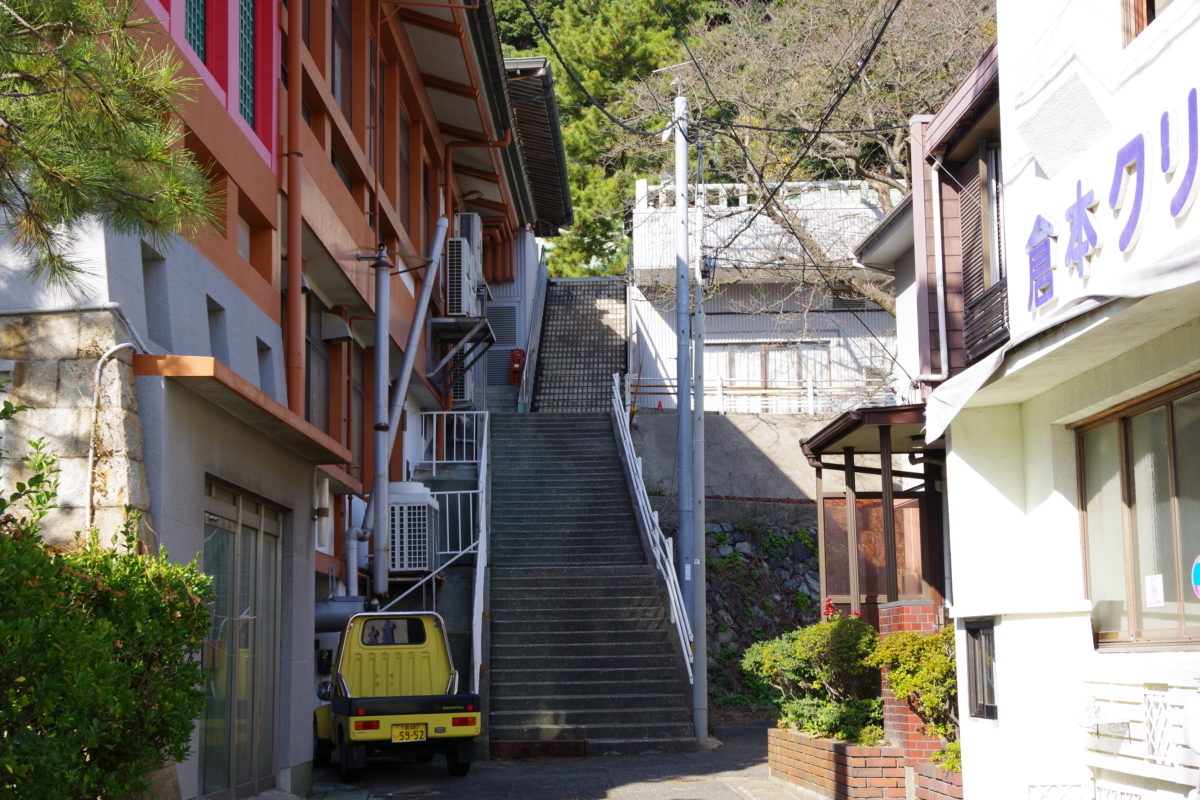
x: 583, y: 344
x: 582, y: 653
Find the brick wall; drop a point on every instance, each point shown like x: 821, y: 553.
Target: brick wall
x: 835, y: 770
x: 937, y: 784
x: 900, y: 724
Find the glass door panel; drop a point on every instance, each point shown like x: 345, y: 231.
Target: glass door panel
x: 218, y: 561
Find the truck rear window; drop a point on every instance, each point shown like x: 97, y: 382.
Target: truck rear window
x: 400, y: 630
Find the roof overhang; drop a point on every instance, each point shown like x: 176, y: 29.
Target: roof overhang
x: 531, y: 86
x: 462, y: 69
x: 889, y: 240
x: 209, y: 379
x: 860, y: 428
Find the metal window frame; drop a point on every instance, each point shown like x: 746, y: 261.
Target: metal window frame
x: 1181, y: 637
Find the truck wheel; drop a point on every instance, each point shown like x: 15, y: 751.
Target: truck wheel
x: 455, y: 764
x: 346, y: 758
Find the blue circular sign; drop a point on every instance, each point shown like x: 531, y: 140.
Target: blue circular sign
x: 1196, y: 576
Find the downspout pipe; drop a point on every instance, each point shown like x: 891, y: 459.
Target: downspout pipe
x: 939, y: 266
x: 91, y: 462
x: 377, y: 510
x: 294, y: 317
x: 387, y: 420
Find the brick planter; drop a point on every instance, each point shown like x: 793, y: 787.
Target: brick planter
x: 827, y: 770
x: 937, y: 784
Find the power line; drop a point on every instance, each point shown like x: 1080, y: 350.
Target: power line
x: 576, y: 80
x: 861, y: 65
x: 769, y: 129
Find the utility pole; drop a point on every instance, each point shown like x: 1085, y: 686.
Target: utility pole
x: 685, y: 539
x: 699, y: 603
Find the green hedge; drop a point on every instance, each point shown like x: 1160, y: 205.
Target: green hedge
x: 99, y: 683
x: 819, y: 677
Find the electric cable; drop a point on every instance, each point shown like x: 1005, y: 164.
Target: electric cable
x: 579, y: 83
x: 859, y: 68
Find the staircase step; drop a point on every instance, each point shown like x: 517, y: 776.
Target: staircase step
x: 620, y: 731
x: 610, y: 687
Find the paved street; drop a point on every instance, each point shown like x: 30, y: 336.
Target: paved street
x: 737, y: 770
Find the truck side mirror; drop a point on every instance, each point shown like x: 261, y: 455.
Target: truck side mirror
x: 325, y: 691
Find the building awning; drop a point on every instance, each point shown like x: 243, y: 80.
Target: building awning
x: 860, y: 428
x: 211, y: 380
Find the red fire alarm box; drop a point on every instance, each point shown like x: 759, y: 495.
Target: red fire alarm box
x: 516, y: 365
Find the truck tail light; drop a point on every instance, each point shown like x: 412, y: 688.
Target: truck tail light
x: 366, y: 724
x: 459, y: 722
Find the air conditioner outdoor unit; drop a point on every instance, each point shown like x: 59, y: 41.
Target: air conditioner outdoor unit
x: 412, y: 527
x: 461, y: 279
x: 470, y: 227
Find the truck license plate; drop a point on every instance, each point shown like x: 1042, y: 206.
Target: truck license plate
x: 408, y: 732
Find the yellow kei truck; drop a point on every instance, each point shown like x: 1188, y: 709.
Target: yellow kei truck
x: 394, y: 691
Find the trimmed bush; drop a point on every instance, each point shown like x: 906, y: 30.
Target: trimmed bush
x: 919, y: 668
x: 99, y: 684
x: 820, y: 679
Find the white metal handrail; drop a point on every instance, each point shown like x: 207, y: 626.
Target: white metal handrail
x: 736, y: 394
x: 450, y: 438
x: 458, y: 521
x: 466, y: 530
x: 660, y: 546
x: 481, y: 558
x: 534, y: 346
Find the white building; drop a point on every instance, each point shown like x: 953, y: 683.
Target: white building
x: 782, y: 334
x: 1073, y: 493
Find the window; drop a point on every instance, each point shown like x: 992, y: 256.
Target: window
x: 981, y: 667
x: 991, y: 186
x: 195, y: 26
x: 154, y: 288
x: 1140, y: 13
x: 403, y: 190
x: 391, y: 631
x: 341, y: 62
x: 246, y: 56
x: 1140, y: 488
x: 218, y: 336
x: 266, y: 368
x: 316, y: 370
x: 357, y: 407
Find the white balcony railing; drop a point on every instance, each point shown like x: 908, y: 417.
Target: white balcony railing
x: 728, y: 395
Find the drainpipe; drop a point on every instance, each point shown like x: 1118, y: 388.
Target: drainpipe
x: 379, y: 486
x: 939, y: 266
x: 294, y: 330
x: 91, y: 462
x: 375, y: 522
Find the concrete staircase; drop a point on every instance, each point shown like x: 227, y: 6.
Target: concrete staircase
x: 582, y: 344
x: 583, y: 660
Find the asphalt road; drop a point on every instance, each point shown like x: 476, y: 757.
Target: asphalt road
x: 736, y: 770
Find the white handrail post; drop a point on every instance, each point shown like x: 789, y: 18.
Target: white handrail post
x: 812, y: 397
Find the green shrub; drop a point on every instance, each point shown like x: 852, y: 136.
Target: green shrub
x: 98, y: 680
x: 818, y: 677
x: 920, y: 668
x: 949, y: 757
